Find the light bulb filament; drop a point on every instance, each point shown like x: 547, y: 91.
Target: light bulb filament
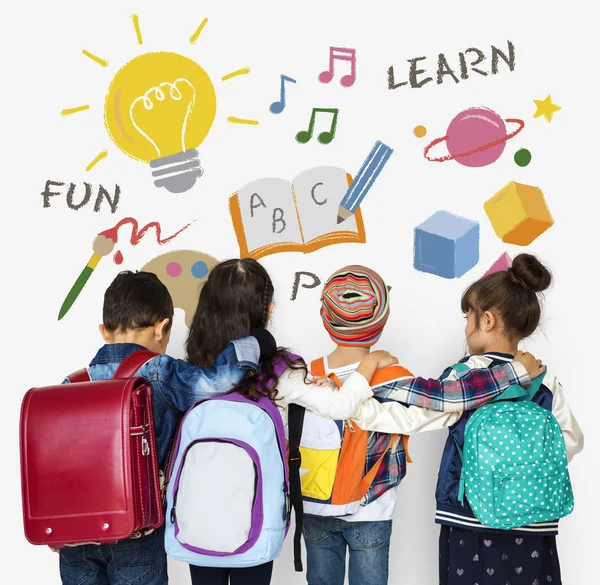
x: 160, y: 95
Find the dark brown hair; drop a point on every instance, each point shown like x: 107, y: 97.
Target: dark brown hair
x: 234, y: 300
x: 512, y: 294
x: 136, y: 300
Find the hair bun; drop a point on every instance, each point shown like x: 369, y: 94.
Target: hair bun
x: 530, y: 273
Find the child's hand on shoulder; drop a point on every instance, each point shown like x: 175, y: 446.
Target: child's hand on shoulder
x: 323, y: 381
x: 383, y: 358
x: 533, y: 366
x: 375, y: 361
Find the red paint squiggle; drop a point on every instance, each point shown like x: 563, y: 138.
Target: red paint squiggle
x: 136, y: 233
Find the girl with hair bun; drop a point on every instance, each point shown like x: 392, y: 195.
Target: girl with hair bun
x: 501, y: 309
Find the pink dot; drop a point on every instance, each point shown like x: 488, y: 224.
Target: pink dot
x: 174, y: 269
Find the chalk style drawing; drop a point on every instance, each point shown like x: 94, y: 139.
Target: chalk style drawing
x: 476, y: 137
x: 340, y: 54
x: 502, y: 264
x: 76, y: 200
x: 184, y: 273
x: 316, y: 281
x: 275, y: 215
x: 545, y: 108
x: 278, y: 106
x: 522, y: 157
x: 446, y: 245
x: 518, y: 213
x: 470, y: 61
x: 103, y: 245
x: 420, y: 131
x: 363, y: 181
x: 324, y: 137
x: 159, y: 108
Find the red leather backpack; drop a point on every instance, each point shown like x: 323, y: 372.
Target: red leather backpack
x: 89, y: 470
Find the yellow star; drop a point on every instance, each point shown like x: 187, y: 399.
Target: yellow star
x: 545, y: 108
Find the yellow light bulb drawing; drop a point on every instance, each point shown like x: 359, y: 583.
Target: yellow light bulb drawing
x: 159, y: 109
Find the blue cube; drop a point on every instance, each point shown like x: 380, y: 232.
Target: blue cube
x: 446, y: 245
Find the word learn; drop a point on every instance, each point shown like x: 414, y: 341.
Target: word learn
x: 469, y: 61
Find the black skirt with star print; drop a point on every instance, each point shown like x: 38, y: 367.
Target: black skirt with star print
x: 478, y: 558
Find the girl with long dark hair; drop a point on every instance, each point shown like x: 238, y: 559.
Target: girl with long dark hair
x: 238, y: 297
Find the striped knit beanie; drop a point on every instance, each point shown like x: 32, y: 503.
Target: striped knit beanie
x: 355, y: 306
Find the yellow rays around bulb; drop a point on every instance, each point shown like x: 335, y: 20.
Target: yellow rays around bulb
x: 136, y: 25
x: 96, y: 160
x: 195, y: 36
x: 98, y: 60
x: 242, y: 71
x: 69, y: 111
x: 234, y: 120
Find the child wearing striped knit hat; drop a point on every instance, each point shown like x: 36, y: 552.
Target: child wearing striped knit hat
x: 351, y: 473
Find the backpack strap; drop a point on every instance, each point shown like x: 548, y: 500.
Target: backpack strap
x: 79, y: 376
x: 295, y: 424
x: 168, y: 471
x: 317, y: 367
x: 536, y: 384
x: 132, y: 363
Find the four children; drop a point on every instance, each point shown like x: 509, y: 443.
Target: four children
x: 228, y: 343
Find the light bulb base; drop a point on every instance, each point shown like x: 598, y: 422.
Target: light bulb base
x: 177, y: 173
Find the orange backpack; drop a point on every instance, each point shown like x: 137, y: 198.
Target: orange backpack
x: 339, y: 477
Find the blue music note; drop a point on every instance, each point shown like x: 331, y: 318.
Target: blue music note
x: 278, y: 107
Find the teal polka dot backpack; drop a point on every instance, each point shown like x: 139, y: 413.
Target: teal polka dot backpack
x: 514, y: 461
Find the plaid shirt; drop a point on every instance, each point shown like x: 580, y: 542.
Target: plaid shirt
x: 392, y: 469
x: 453, y: 391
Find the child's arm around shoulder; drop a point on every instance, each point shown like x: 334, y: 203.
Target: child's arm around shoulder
x: 458, y: 391
x: 181, y: 384
x: 569, y: 426
x: 329, y: 402
x: 396, y: 418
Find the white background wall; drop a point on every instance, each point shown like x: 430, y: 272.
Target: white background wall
x: 45, y: 249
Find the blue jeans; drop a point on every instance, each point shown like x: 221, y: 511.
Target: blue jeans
x: 140, y: 561
x: 326, y: 542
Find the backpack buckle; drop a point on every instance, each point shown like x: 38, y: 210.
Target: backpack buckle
x: 287, y: 510
x: 145, y: 446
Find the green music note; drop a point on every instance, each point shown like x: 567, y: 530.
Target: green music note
x: 324, y: 137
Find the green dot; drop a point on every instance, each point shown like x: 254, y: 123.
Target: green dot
x: 522, y: 157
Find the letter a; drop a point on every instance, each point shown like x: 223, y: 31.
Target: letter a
x: 254, y: 205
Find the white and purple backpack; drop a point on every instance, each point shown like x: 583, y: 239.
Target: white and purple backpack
x: 228, y: 496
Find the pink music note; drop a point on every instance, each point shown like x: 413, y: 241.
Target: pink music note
x: 342, y: 54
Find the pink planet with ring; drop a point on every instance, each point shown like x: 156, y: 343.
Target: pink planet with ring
x: 476, y: 137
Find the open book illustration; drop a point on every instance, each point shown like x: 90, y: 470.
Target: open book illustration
x: 276, y: 215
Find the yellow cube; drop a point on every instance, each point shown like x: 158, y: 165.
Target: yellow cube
x: 518, y: 213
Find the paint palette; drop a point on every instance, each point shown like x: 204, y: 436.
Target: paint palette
x: 183, y: 272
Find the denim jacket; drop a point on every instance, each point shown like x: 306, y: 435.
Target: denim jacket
x: 176, y: 384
